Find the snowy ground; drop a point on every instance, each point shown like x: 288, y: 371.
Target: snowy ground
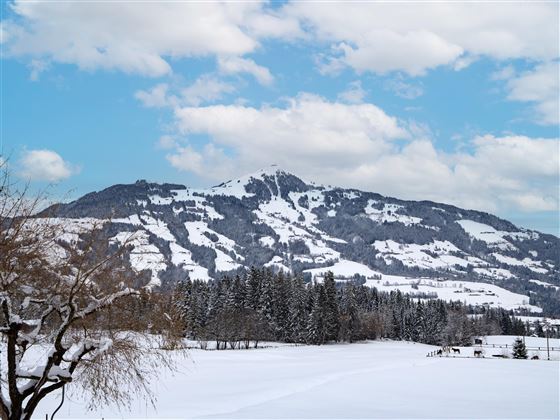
x: 366, y: 380
x: 471, y: 293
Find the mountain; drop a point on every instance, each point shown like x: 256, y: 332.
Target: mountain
x: 275, y: 219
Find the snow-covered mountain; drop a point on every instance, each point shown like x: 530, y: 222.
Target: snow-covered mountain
x: 275, y: 219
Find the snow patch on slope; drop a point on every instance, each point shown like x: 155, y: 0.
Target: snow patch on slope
x: 389, y: 214
x: 343, y: 269
x: 471, y: 293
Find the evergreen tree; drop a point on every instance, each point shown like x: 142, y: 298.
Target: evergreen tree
x: 330, y: 309
x: 298, y: 311
x: 316, y: 331
x: 519, y: 349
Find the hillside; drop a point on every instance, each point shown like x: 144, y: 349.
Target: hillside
x: 275, y: 219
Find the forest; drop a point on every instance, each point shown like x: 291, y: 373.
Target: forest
x: 260, y: 305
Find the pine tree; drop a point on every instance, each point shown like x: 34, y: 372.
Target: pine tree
x: 298, y: 311
x: 280, y: 305
x: 316, y: 331
x: 519, y: 349
x: 331, y: 312
x: 254, y: 288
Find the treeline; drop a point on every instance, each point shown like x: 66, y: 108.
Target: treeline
x: 263, y: 306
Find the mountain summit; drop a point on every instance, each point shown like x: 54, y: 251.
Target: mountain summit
x: 275, y: 219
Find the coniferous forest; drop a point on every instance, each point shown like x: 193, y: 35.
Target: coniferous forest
x: 260, y: 305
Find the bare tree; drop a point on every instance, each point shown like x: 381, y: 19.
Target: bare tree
x: 66, y: 311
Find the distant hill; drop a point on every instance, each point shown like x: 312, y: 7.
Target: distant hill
x: 275, y: 219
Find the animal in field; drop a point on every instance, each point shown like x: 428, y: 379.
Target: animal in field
x: 439, y: 352
x: 478, y: 341
x: 535, y: 357
x: 477, y: 353
x: 456, y: 350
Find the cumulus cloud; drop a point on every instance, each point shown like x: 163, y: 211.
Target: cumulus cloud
x: 132, y: 39
x: 234, y: 65
x: 355, y: 94
x: 205, y: 89
x: 186, y: 158
x: 539, y: 86
x: 45, y: 165
x: 156, y: 97
x: 359, y: 145
x: 378, y: 37
x: 385, y: 37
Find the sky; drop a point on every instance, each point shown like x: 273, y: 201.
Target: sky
x: 445, y: 101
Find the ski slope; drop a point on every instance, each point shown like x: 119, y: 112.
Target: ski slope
x: 381, y: 379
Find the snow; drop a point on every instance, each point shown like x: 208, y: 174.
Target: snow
x: 182, y: 257
x: 267, y: 241
x: 278, y: 263
x: 380, y: 379
x: 343, y: 269
x: 532, y: 319
x: 236, y: 187
x: 157, y: 227
x: 526, y: 262
x: 389, y: 214
x: 544, y: 283
x: 143, y: 256
x: 472, y: 293
x: 492, y: 236
x: 497, y: 273
x: 201, y: 204
x: 284, y: 220
x: 196, y: 236
x: 417, y: 255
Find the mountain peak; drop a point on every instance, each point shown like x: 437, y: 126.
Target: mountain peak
x: 277, y: 182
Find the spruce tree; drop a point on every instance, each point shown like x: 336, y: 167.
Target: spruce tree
x: 331, y: 313
x: 519, y: 349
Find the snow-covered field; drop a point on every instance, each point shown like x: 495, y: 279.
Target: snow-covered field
x: 472, y: 293
x: 364, y: 380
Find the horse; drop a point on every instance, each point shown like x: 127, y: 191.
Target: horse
x: 478, y: 341
x: 535, y: 357
x: 439, y: 352
x: 455, y: 350
x: 477, y: 353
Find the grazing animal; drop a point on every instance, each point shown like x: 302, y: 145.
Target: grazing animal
x: 455, y: 350
x: 477, y: 341
x: 535, y: 357
x: 439, y: 352
x: 477, y: 353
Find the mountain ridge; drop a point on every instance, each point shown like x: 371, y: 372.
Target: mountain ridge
x: 273, y: 218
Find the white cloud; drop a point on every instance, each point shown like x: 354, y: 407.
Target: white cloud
x: 45, y: 165
x: 355, y: 94
x: 167, y: 142
x: 156, y: 97
x: 37, y: 67
x: 205, y: 89
x: 234, y: 65
x: 385, y: 37
x: 403, y: 89
x: 354, y: 145
x: 541, y: 87
x: 367, y: 36
x: 505, y: 73
x: 309, y: 128
x: 138, y: 39
x: 187, y: 159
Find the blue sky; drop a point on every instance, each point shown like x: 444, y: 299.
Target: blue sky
x: 423, y: 101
